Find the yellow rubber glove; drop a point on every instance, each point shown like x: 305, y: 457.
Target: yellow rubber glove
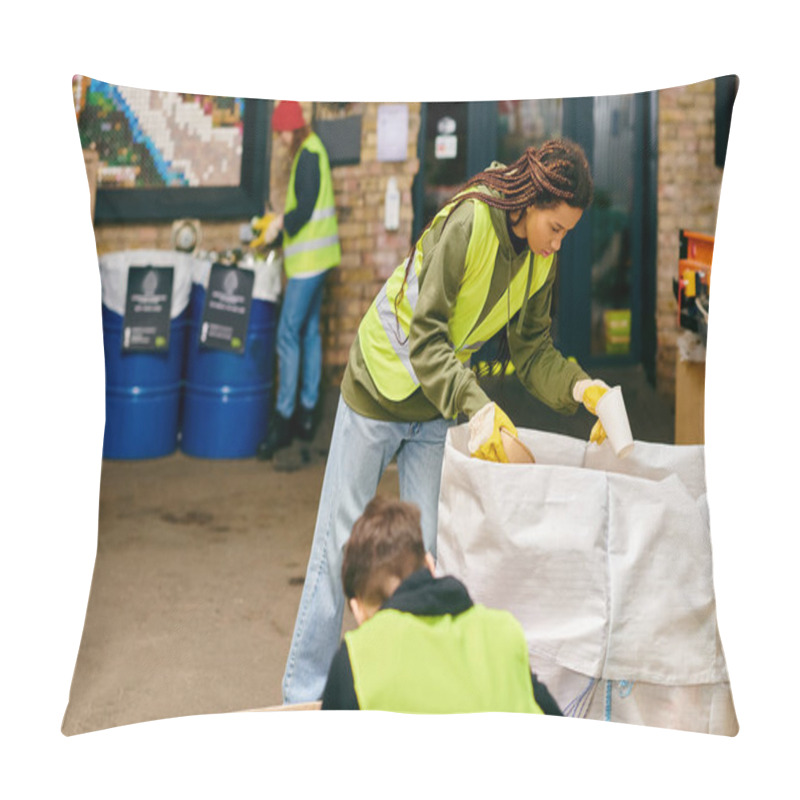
x: 598, y: 434
x: 267, y: 228
x: 484, y: 433
x: 589, y: 393
x: 592, y: 395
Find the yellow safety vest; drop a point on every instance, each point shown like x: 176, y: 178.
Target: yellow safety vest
x: 474, y: 661
x: 383, y: 332
x: 316, y: 246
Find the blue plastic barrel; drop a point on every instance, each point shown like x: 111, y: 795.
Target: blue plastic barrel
x: 227, y: 395
x: 143, y: 389
x: 143, y: 393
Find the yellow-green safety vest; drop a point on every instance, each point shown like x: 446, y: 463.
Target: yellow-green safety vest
x: 316, y: 246
x: 383, y: 332
x: 474, y: 661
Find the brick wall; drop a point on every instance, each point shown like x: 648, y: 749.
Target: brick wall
x: 158, y: 235
x: 688, y: 196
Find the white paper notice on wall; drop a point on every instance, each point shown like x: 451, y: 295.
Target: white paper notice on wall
x: 393, y: 132
x: 446, y: 146
x: 391, y: 211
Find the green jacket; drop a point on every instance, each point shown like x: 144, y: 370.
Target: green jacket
x: 447, y: 387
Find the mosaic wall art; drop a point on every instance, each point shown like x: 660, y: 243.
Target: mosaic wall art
x: 149, y: 139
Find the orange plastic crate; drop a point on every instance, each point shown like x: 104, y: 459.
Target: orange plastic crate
x: 699, y: 248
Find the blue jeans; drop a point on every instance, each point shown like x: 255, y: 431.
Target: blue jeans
x: 360, y: 451
x: 299, y: 344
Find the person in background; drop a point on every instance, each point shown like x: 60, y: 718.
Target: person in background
x: 484, y: 264
x: 422, y: 646
x: 310, y: 239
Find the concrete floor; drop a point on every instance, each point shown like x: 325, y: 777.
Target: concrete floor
x: 200, y: 565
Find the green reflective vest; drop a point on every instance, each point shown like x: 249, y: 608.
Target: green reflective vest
x: 316, y: 246
x: 384, y: 331
x: 474, y: 661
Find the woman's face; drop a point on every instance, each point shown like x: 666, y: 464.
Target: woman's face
x: 286, y: 137
x: 545, y: 228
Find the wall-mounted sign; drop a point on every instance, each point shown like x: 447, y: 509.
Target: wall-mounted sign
x: 227, y: 310
x: 148, y: 302
x: 342, y: 139
x: 446, y: 143
x: 393, y: 132
x: 446, y: 146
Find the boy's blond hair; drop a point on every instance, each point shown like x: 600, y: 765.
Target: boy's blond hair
x: 385, y: 547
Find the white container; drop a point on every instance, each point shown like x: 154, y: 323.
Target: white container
x: 611, y: 412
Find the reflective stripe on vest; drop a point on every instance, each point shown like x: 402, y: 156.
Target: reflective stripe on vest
x: 383, y: 333
x: 470, y: 662
x: 316, y: 246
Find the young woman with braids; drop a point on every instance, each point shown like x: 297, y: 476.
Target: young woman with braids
x: 488, y: 256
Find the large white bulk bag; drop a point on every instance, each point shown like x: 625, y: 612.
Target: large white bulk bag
x: 606, y: 563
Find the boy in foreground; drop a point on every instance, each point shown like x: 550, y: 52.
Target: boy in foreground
x: 422, y: 645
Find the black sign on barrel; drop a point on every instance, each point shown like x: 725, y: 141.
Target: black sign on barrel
x: 148, y: 305
x: 227, y: 309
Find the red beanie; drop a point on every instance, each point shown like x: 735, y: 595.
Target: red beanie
x: 288, y: 116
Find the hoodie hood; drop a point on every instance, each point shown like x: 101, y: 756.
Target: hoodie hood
x: 423, y: 595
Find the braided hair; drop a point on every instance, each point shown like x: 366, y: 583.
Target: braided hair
x: 557, y: 172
